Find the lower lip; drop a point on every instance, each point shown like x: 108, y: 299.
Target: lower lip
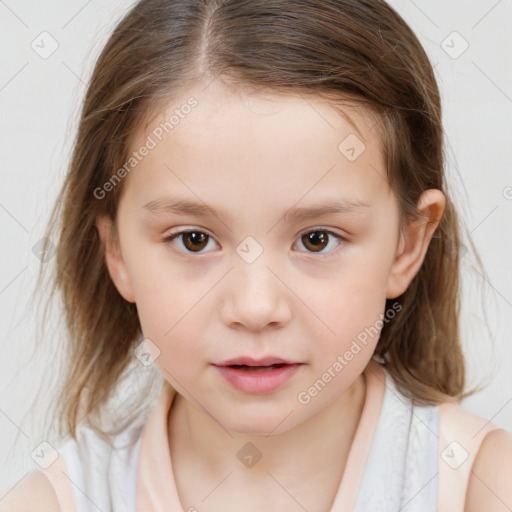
x: 258, y: 381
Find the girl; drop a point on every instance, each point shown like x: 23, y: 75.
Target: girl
x: 256, y: 206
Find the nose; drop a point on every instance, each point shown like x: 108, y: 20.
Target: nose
x: 255, y: 297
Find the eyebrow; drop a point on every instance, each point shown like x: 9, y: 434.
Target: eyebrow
x: 180, y: 206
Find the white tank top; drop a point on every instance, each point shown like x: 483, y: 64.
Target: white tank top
x: 404, y: 457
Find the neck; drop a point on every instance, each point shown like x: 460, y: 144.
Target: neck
x: 311, y: 455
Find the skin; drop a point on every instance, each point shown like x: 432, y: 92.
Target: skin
x: 287, y: 302
x: 255, y: 157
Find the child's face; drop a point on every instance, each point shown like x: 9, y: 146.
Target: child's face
x: 256, y: 285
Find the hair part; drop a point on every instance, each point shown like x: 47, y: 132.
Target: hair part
x: 343, y: 51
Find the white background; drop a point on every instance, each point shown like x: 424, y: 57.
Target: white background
x: 39, y: 101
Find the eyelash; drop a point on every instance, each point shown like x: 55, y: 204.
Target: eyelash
x: 342, y: 241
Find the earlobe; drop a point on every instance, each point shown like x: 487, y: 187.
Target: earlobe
x: 113, y: 258
x: 414, y: 242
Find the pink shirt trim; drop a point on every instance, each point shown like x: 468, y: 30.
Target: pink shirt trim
x: 58, y: 476
x: 156, y: 488
x: 460, y: 436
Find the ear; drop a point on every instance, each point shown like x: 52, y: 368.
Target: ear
x: 414, y: 242
x: 113, y: 257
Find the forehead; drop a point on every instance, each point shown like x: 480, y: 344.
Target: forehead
x: 216, y: 143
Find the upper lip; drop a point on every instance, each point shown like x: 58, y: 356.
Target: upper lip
x: 249, y: 361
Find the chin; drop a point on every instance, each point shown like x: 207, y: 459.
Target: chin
x: 256, y: 424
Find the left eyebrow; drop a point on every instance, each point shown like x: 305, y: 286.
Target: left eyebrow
x: 341, y: 206
x: 181, y: 206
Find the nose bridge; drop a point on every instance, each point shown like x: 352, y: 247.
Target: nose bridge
x: 253, y: 278
x: 254, y: 295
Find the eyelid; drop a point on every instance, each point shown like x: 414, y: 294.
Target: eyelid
x: 170, y: 237
x: 342, y: 241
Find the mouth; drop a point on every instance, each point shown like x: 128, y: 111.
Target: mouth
x: 246, y: 361
x: 246, y: 367
x: 257, y: 378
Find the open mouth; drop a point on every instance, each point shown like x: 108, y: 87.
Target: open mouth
x: 258, y: 379
x: 256, y: 368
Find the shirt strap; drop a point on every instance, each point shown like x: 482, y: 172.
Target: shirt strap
x: 58, y: 476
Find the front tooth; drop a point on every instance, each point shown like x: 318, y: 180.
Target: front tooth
x: 257, y: 368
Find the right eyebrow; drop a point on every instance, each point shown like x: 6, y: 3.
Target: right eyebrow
x: 182, y: 206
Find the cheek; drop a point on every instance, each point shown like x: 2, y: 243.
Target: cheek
x: 350, y: 296
x: 160, y: 289
x: 338, y: 305
x: 172, y: 314
x: 351, y: 321
x: 172, y: 322
x: 346, y: 311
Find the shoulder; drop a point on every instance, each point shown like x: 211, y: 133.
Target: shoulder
x: 476, y: 468
x: 490, y: 481
x: 462, y: 437
x: 33, y: 492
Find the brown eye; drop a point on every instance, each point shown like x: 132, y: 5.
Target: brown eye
x: 191, y: 241
x: 195, y: 240
x: 316, y: 241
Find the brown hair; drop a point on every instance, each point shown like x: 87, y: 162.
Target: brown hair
x: 335, y: 49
